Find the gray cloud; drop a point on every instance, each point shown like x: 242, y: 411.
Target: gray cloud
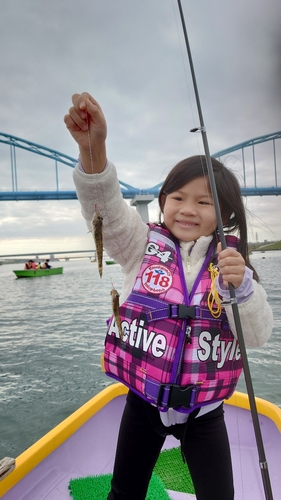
x: 131, y: 56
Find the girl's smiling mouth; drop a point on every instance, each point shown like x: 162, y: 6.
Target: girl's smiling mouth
x: 186, y: 223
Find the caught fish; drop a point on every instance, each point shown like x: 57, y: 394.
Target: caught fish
x: 98, y: 237
x: 115, y: 309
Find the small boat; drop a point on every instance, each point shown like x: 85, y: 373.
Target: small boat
x: 34, y: 273
x: 78, y: 454
x: 110, y: 262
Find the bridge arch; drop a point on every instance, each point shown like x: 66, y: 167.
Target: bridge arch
x: 129, y: 192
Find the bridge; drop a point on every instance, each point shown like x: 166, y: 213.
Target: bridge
x: 62, y: 255
x: 246, y: 157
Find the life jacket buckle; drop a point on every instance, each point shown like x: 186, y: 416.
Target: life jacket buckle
x: 178, y: 395
x: 181, y: 311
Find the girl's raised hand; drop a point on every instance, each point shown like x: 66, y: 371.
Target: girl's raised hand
x: 231, y: 265
x: 85, y: 120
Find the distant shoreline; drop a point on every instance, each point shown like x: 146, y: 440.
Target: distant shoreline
x: 264, y: 247
x: 253, y: 247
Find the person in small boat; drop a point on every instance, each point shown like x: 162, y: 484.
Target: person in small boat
x: 187, y: 223
x: 46, y: 264
x: 33, y: 264
x: 27, y: 265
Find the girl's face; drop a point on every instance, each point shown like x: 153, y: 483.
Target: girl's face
x: 189, y: 212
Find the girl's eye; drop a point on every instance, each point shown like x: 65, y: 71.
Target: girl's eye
x: 177, y: 198
x: 204, y: 202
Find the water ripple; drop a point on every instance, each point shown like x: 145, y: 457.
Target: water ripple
x: 52, y: 334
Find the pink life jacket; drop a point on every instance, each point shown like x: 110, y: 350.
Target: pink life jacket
x: 173, y: 353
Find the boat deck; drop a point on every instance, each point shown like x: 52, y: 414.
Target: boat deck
x: 90, y: 451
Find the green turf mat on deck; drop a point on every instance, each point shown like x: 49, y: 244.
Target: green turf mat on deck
x: 173, y: 472
x: 98, y: 487
x: 169, y: 473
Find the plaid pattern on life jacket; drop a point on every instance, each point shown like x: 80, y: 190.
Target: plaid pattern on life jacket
x: 173, y: 353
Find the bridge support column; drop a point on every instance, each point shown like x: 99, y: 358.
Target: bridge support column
x: 140, y: 201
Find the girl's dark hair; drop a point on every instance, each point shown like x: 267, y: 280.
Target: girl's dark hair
x: 228, y: 191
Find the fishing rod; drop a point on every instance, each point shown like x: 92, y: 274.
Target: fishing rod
x: 233, y: 299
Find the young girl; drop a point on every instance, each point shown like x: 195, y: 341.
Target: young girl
x: 189, y: 223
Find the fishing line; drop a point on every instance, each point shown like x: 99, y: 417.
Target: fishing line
x: 253, y: 216
x: 185, y: 68
x: 205, y: 176
x: 89, y: 143
x: 97, y: 220
x: 233, y: 300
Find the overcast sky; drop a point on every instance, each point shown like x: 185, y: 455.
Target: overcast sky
x: 130, y: 55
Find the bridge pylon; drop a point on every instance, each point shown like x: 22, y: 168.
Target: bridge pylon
x: 141, y: 201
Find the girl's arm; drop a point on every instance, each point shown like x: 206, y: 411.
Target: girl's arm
x: 256, y: 317
x: 124, y: 232
x: 255, y: 312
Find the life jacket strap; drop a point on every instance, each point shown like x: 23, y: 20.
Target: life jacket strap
x: 179, y: 311
x: 171, y: 395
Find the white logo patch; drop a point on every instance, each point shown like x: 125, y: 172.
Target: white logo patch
x: 153, y: 249
x: 157, y: 279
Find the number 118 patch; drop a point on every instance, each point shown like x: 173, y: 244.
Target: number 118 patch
x: 157, y: 279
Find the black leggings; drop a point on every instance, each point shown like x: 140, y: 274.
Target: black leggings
x: 204, y: 443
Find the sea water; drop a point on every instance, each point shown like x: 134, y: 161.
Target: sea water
x: 51, y: 337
